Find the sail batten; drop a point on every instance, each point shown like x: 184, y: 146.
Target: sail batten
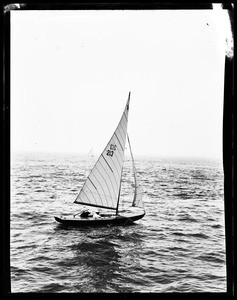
x: 119, y: 142
x: 111, y: 183
x: 102, y: 186
x: 107, y: 163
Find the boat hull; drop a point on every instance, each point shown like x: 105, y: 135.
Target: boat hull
x: 91, y: 222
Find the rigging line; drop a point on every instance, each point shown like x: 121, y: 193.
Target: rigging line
x: 134, y: 172
x: 112, y: 185
x: 130, y: 148
x: 102, y: 186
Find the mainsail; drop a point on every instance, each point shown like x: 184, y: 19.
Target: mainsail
x: 137, y: 200
x: 102, y: 186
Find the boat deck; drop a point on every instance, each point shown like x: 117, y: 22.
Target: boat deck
x: 103, y: 220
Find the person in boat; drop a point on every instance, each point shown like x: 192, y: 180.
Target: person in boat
x: 86, y: 214
x: 96, y: 215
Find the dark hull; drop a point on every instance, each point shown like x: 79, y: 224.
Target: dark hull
x: 116, y: 220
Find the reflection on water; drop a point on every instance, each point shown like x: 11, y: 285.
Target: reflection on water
x: 101, y: 260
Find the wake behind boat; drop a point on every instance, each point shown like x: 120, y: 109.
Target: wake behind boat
x: 102, y: 187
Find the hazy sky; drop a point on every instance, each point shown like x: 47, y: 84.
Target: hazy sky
x: 71, y: 72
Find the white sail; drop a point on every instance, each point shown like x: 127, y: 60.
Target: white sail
x: 102, y: 186
x: 137, y: 200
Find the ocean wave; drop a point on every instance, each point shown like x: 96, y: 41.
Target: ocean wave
x: 177, y: 247
x: 195, y: 235
x: 185, y: 196
x: 216, y: 226
x: 211, y: 257
x: 187, y: 218
x: 199, y: 235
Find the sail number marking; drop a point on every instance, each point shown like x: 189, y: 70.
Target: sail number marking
x: 110, y: 153
x: 112, y: 149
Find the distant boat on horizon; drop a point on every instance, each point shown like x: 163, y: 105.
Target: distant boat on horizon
x: 91, y: 153
x: 102, y: 187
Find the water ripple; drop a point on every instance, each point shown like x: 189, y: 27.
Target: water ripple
x: 177, y: 247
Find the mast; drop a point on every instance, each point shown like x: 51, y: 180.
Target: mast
x: 103, y: 184
x: 127, y: 106
x: 119, y: 193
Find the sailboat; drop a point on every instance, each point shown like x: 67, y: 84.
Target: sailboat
x: 102, y: 187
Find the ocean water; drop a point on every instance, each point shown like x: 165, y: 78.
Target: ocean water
x: 179, y: 246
